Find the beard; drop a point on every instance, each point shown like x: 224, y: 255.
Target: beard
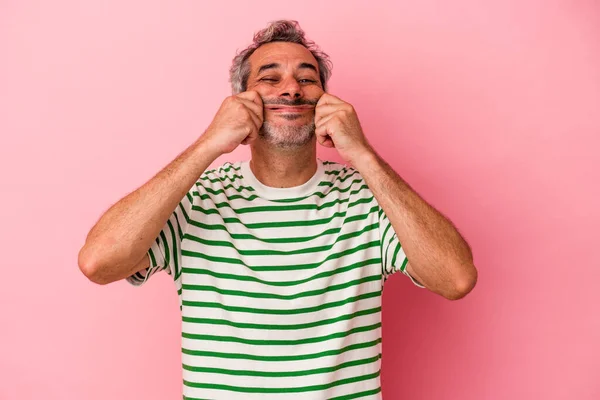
x: 285, y: 136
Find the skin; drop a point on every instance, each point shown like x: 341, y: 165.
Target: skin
x: 283, y: 146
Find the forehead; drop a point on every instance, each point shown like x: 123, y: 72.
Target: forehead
x: 283, y: 53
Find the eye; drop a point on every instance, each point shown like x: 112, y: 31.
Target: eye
x: 307, y: 81
x: 268, y: 79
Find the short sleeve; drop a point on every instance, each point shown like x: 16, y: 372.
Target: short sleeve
x: 165, y: 252
x: 393, y: 258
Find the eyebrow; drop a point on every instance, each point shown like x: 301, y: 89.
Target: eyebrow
x: 303, y: 65
x: 307, y: 66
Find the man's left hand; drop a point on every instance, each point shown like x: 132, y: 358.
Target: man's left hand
x: 337, y: 126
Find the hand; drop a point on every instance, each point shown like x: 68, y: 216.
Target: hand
x: 337, y: 126
x: 238, y: 121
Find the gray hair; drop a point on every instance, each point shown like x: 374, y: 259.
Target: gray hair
x: 277, y: 31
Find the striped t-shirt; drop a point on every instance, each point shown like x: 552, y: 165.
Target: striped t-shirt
x: 280, y: 288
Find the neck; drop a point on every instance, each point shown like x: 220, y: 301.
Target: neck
x: 283, y: 168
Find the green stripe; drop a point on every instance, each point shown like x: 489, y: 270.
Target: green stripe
x: 239, y: 356
x: 244, y: 389
x: 344, y: 190
x: 398, y: 247
x: 226, y: 167
x: 280, y: 342
x: 287, y: 207
x: 174, y: 247
x: 385, y: 258
x: 244, y: 236
x: 179, y: 230
x: 223, y: 190
x: 166, y: 247
x: 295, y: 267
x: 185, y: 215
x: 324, y: 274
x: 339, y: 178
x: 267, y: 295
x: 153, y: 262
x: 137, y: 276
x: 323, y: 195
x: 281, y: 374
x: 357, y: 395
x: 304, y: 310
x: 326, y: 248
x: 249, y: 325
x: 230, y: 198
x: 403, y: 266
x: 219, y: 179
x: 284, y: 224
x: 385, y: 231
x: 292, y: 200
x: 281, y: 240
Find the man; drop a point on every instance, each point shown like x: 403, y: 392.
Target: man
x: 280, y: 261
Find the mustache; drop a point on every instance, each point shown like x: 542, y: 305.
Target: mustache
x: 285, y: 102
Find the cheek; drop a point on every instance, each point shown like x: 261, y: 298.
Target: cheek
x: 314, y: 93
x: 265, y: 91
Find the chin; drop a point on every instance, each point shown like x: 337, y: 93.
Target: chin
x: 287, y: 135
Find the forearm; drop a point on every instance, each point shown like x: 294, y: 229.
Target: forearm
x: 438, y: 256
x: 125, y: 232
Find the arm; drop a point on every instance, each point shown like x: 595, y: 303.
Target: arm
x: 117, y: 245
x: 439, y: 257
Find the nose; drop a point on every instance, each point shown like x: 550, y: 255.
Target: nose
x: 290, y: 88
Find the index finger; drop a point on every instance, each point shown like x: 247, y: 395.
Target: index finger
x: 327, y: 98
x: 251, y: 95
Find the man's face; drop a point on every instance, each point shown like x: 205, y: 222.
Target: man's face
x: 286, y: 75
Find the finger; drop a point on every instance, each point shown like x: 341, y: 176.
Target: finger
x: 254, y: 108
x: 256, y: 121
x: 323, y: 137
x: 250, y: 138
x: 255, y: 114
x: 327, y: 98
x: 328, y: 143
x: 247, y: 141
x: 325, y: 141
x: 324, y: 119
x: 253, y: 96
x: 324, y: 110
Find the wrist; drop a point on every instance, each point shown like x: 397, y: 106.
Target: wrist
x: 205, y: 149
x: 365, y: 160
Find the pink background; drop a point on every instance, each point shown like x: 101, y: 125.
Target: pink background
x: 490, y: 109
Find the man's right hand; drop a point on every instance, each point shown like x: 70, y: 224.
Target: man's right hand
x: 238, y: 121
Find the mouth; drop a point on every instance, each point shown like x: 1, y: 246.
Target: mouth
x: 280, y: 108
